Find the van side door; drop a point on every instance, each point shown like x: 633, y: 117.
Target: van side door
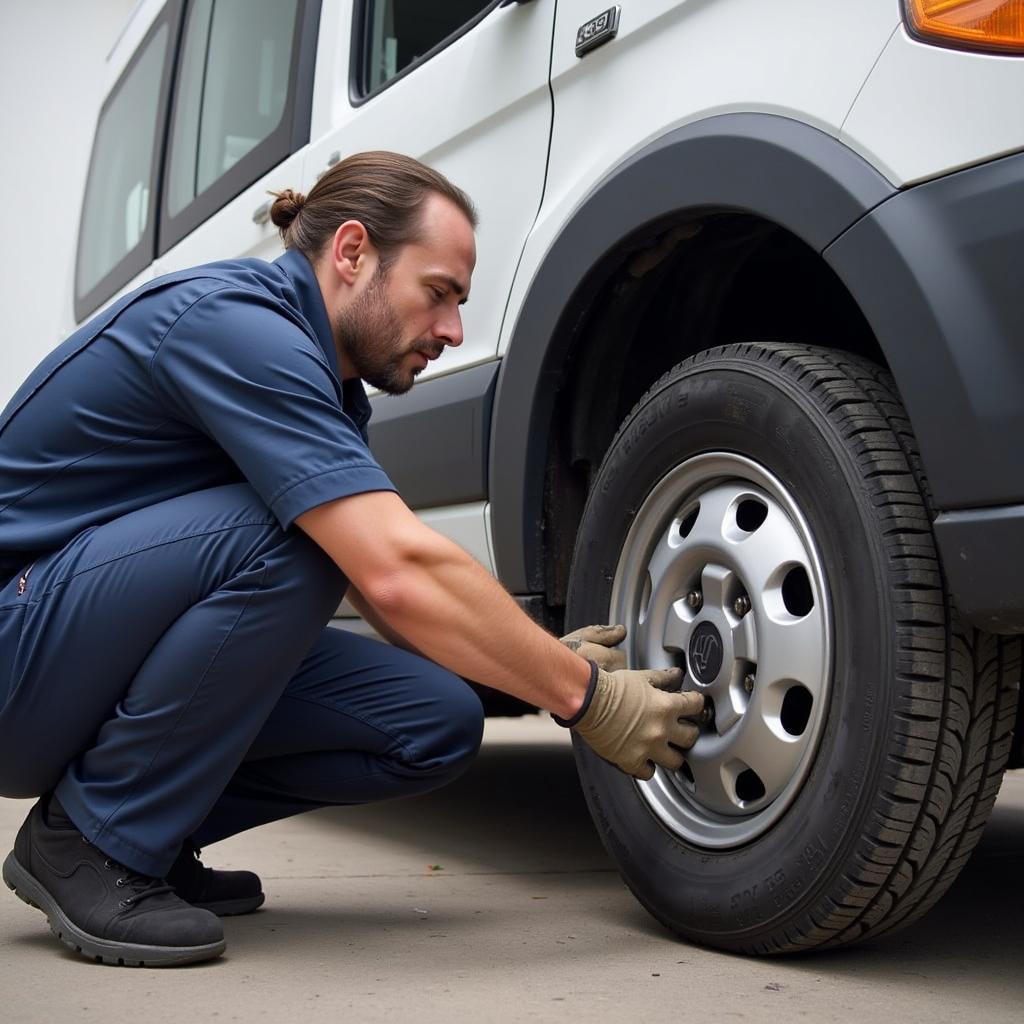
x: 463, y: 86
x: 239, y: 120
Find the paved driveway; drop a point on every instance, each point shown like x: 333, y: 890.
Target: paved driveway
x: 494, y: 901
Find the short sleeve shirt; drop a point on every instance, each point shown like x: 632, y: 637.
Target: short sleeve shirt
x: 218, y: 374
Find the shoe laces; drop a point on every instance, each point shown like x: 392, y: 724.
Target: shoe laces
x: 188, y: 871
x: 140, y: 887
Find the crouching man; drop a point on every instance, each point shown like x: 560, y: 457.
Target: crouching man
x: 186, y: 494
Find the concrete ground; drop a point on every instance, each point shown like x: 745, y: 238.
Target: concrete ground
x: 494, y: 901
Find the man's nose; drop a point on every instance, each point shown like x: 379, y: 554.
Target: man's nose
x: 449, y: 329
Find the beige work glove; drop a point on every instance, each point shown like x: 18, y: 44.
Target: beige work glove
x: 633, y: 723
x: 597, y: 643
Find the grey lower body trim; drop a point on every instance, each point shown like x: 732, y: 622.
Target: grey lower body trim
x: 536, y: 607
x: 433, y: 442
x: 983, y: 555
x: 936, y: 270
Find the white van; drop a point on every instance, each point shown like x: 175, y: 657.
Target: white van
x: 746, y: 331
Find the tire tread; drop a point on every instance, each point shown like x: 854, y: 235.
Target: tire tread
x: 956, y: 686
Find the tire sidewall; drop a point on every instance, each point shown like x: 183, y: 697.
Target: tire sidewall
x: 747, y: 894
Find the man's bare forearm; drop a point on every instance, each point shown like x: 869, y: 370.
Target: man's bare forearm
x: 426, y: 590
x: 370, y: 615
x: 453, y: 611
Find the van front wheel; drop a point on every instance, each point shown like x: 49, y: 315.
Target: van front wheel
x: 761, y: 520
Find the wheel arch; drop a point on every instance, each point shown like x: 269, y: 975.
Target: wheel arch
x: 735, y: 179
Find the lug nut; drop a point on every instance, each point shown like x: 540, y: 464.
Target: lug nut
x: 695, y: 599
x: 748, y: 682
x: 707, y: 716
x: 741, y: 605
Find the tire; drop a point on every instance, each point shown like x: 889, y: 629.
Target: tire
x: 860, y: 728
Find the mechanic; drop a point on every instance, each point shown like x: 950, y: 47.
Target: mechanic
x: 186, y: 494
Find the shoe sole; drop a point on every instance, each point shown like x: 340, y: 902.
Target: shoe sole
x: 232, y: 908
x: 116, y: 954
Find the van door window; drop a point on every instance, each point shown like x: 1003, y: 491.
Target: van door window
x: 232, y: 93
x: 400, y: 33
x: 115, y: 239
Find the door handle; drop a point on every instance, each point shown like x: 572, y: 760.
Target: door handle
x: 331, y: 161
x: 262, y: 213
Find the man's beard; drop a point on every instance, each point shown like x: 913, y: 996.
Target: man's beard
x: 370, y: 334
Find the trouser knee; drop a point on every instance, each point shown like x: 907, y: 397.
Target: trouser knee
x: 451, y: 742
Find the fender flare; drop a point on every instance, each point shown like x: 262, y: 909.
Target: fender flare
x: 782, y: 170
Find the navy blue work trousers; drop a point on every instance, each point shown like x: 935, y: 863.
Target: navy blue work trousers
x: 171, y: 675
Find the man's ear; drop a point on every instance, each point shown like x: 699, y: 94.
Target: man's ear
x: 351, y: 249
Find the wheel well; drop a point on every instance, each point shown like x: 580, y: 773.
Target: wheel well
x: 661, y: 295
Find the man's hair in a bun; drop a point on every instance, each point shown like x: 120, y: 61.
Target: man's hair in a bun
x: 285, y: 208
x: 384, y: 191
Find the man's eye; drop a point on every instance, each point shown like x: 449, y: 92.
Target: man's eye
x: 438, y: 294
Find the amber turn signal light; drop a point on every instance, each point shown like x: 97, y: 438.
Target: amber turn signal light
x: 996, y: 26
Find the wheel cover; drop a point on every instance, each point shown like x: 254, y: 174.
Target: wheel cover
x: 723, y: 526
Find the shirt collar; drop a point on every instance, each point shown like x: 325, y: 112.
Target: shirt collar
x: 356, y: 404
x: 311, y: 305
x: 311, y: 302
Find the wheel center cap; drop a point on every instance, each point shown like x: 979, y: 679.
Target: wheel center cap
x: 705, y: 653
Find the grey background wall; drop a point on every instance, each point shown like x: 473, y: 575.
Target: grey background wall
x: 52, y: 55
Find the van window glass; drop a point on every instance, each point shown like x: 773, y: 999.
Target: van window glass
x: 233, y: 87
x: 116, y: 209
x: 399, y: 32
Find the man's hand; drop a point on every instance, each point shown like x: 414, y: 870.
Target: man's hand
x: 631, y: 722
x: 596, y: 643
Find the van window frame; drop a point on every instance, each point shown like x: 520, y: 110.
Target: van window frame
x: 290, y: 135
x: 141, y: 255
x: 360, y: 48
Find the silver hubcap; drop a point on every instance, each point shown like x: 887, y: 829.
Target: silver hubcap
x: 720, y: 574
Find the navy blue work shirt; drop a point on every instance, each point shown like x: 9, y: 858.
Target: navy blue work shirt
x: 213, y: 375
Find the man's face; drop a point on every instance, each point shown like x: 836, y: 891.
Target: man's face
x: 406, y: 315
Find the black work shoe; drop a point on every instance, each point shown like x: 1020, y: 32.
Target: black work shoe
x: 222, y: 892
x: 99, y: 908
